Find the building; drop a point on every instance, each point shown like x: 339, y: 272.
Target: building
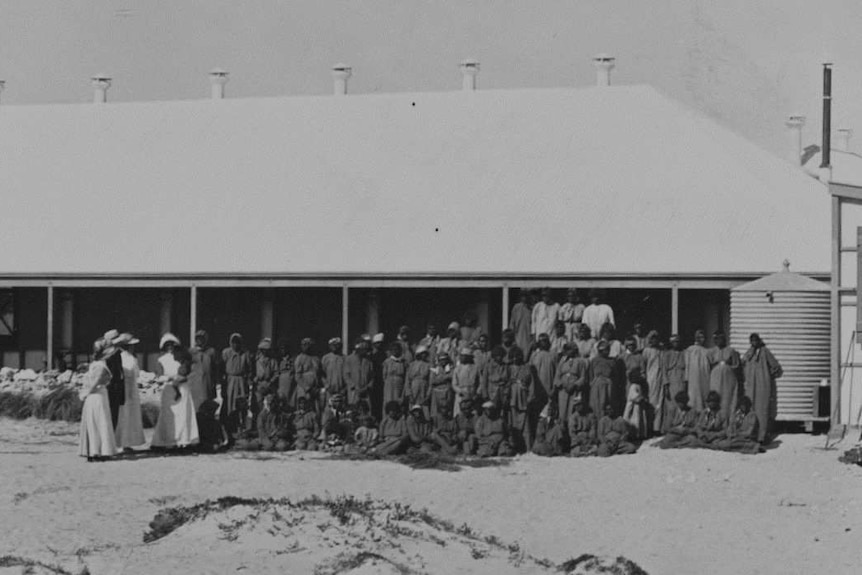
x: 347, y: 214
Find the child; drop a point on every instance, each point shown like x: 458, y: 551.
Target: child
x: 491, y: 433
x: 273, y: 425
x: 418, y: 379
x: 365, y: 434
x: 635, y: 414
x: 392, y: 438
x: 711, y: 425
x: 521, y: 400
x: 394, y: 374
x: 465, y: 424
x: 613, y: 435
x: 445, y: 431
x: 582, y: 430
x: 420, y: 432
x: 551, y: 436
x: 212, y: 433
x: 742, y: 430
x: 681, y: 422
x: 305, y: 426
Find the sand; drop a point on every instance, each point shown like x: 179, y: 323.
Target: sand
x: 794, y: 509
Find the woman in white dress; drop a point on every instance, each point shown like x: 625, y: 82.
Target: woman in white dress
x: 168, y: 365
x: 177, y: 425
x: 130, y: 427
x: 96, y: 441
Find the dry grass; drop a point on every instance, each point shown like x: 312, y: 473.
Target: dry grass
x: 426, y: 460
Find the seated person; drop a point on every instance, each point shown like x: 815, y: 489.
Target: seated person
x: 681, y: 422
x: 445, y: 431
x: 551, y: 436
x: 212, y: 433
x: 741, y: 430
x: 305, y: 426
x: 419, y: 431
x: 334, y: 422
x: 711, y: 425
x: 392, y: 437
x: 637, y: 410
x: 465, y: 424
x: 582, y: 430
x: 491, y: 432
x: 273, y: 424
x: 365, y: 432
x: 613, y: 434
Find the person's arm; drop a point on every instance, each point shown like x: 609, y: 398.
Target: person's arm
x: 775, y: 370
x: 610, y: 318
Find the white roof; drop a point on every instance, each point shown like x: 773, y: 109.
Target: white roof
x: 846, y: 167
x: 617, y: 180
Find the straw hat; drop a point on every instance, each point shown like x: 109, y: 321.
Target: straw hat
x: 168, y: 338
x: 378, y: 338
x: 125, y: 339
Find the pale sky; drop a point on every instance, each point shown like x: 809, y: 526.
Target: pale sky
x: 748, y: 63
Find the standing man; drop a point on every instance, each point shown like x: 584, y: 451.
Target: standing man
x: 237, y: 372
x: 286, y: 381
x: 359, y: 375
x: 306, y: 371
x: 204, y: 377
x: 265, y: 375
x: 117, y: 386
x: 521, y: 322
x: 431, y: 341
x: 544, y: 315
x: 571, y: 314
x: 332, y: 366
x: 598, y: 314
x: 761, y: 371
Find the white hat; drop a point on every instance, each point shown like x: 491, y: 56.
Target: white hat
x: 168, y: 337
x: 125, y: 338
x: 421, y: 349
x: 111, y: 335
x: 378, y: 338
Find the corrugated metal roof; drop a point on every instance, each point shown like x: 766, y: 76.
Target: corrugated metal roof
x: 597, y: 180
x: 784, y: 281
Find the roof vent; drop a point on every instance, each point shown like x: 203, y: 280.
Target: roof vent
x: 794, y: 129
x: 340, y: 74
x: 218, y: 78
x: 101, y: 83
x: 469, y: 70
x: 604, y: 63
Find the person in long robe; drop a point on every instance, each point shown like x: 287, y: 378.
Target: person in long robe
x: 393, y: 438
x: 377, y: 356
x: 431, y: 341
x: 205, y: 375
x: 117, y: 387
x: 507, y: 340
x: 613, y: 435
x: 394, y: 374
x: 470, y: 329
x: 636, y: 412
x: 418, y: 380
x: 177, y: 426
x: 307, y: 372
x: 639, y: 334
x: 570, y: 380
x: 656, y: 384
x: 403, y: 339
x: 305, y: 426
x: 465, y: 424
x: 544, y: 364
x: 451, y: 344
x: 635, y: 365
x: 673, y: 376
x: 265, y: 378
x: 130, y: 427
x: 582, y: 430
x: 761, y: 370
x: 742, y: 430
x: 420, y: 431
x: 494, y: 380
x: 167, y: 365
x: 286, y: 380
x: 332, y: 372
x: 585, y: 342
x: 441, y: 395
x: 96, y: 439
x: 212, y: 433
x: 544, y: 315
x: 607, y: 379
x: 520, y: 322
x: 697, y: 371
x: 237, y: 373
x: 598, y: 314
x: 552, y: 438
x: 559, y: 339
x: 491, y: 433
x: 572, y: 313
x: 358, y: 374
x: 481, y: 352
x: 465, y: 378
x: 522, y: 401
x: 711, y: 425
x: 724, y: 377
x: 681, y: 422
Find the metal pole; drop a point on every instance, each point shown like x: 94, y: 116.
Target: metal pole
x: 835, y: 388
x: 827, y: 117
x: 345, y: 308
x: 505, y: 306
x: 674, y: 309
x: 50, y: 346
x: 193, y: 314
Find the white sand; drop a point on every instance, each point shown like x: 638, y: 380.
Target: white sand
x: 795, y: 509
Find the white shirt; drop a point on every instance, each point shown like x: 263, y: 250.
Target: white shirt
x: 544, y: 317
x: 595, y: 316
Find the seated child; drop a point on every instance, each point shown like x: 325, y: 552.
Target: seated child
x: 445, y: 431
x: 419, y: 431
x: 465, y: 424
x: 273, y: 424
x: 491, y: 432
x: 212, y: 433
x: 741, y: 430
x: 711, y: 425
x: 551, y: 436
x: 613, y: 434
x: 636, y: 411
x: 305, y: 426
x: 582, y: 430
x: 392, y: 437
x: 334, y: 423
x: 365, y: 427
x: 681, y: 422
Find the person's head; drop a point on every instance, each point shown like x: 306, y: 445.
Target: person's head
x: 572, y: 295
x: 653, y: 339
x: 699, y: 337
x: 719, y: 339
x: 431, y: 330
x: 755, y: 341
x: 544, y: 342
x: 466, y: 355
x: 607, y: 332
x: 638, y: 329
x: 395, y: 349
x: 482, y: 342
x: 498, y: 354
x: 126, y: 342
x: 524, y: 296
x: 417, y: 412
x: 235, y: 341
x: 608, y: 410
x: 169, y: 343
x: 516, y: 356
x: 508, y: 337
x: 595, y: 297
x: 675, y: 342
x: 631, y: 344
x: 443, y: 359
x: 489, y: 408
x: 265, y: 346
x: 360, y: 348
x: 547, y: 296
x: 713, y: 400
x: 584, y: 332
x: 306, y: 345
x: 393, y: 409
x: 301, y: 405
x: 570, y: 349
x: 470, y: 319
x: 681, y: 399
x: 421, y: 353
x: 582, y: 407
x: 334, y: 345
x: 559, y: 328
x: 453, y: 330
x: 403, y: 332
x: 744, y: 404
x: 201, y: 338
x: 184, y: 358
x: 604, y: 348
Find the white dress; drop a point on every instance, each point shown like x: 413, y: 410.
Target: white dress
x: 130, y: 427
x: 177, y: 425
x: 97, y: 433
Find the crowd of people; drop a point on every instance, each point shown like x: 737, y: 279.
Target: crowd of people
x: 559, y: 382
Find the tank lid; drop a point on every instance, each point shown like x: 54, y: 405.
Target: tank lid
x: 785, y: 280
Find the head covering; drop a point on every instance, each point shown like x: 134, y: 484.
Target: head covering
x: 487, y: 404
x: 466, y: 351
x: 234, y: 336
x: 125, y: 339
x: 265, y: 343
x: 603, y: 344
x: 404, y: 329
x: 415, y: 407
x: 454, y: 325
x: 202, y: 333
x: 102, y: 349
x: 306, y: 341
x: 168, y: 338
x: 334, y: 341
x: 111, y: 335
x: 421, y: 349
x: 365, y: 337
x: 674, y: 337
x: 378, y: 338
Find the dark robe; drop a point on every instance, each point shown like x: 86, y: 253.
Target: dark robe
x: 306, y: 372
x: 635, y: 366
x: 613, y: 437
x: 711, y: 426
x: 544, y: 364
x: 446, y: 430
x: 273, y: 430
x: 673, y: 368
x: 491, y: 436
x: 607, y: 383
x: 441, y: 395
x: 680, y: 425
x: 421, y: 434
x: 465, y: 383
x: 359, y: 378
x: 570, y: 384
x: 286, y: 381
x: 392, y: 436
x: 394, y: 376
x: 466, y: 429
x: 306, y: 430
x: 204, y: 376
x: 582, y: 432
x: 551, y: 438
x: 117, y: 386
x: 723, y: 378
x: 761, y: 371
x: 332, y: 366
x: 237, y: 371
x: 522, y: 400
x: 742, y: 432
x: 494, y: 384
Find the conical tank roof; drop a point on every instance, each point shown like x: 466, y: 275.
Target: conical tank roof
x: 785, y: 280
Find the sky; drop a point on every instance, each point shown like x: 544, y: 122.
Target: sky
x: 746, y: 63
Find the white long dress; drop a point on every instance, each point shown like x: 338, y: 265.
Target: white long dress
x: 177, y: 425
x: 97, y: 433
x: 130, y: 427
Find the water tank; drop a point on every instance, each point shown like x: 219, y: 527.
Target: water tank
x: 791, y: 313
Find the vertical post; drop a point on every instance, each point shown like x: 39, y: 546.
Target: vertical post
x: 372, y: 318
x: 267, y: 314
x: 67, y: 314
x: 166, y: 312
x: 835, y: 387
x: 49, y: 348
x: 505, y: 306
x: 193, y: 313
x: 345, y: 309
x: 674, y: 309
x: 482, y: 311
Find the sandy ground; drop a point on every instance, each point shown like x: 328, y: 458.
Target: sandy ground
x: 794, y: 509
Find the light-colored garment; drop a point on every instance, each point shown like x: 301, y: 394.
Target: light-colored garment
x: 521, y: 323
x: 597, y: 315
x: 97, y: 435
x: 725, y: 363
x: 616, y: 348
x: 572, y: 314
x: 697, y: 375
x: 177, y: 425
x: 544, y: 317
x: 130, y: 427
x: 169, y: 366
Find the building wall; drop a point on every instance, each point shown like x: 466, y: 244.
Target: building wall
x: 849, y: 352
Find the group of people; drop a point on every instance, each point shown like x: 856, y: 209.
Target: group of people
x: 549, y: 386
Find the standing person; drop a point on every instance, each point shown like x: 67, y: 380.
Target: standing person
x: 237, y: 372
x: 544, y: 364
x: 286, y: 381
x: 306, y: 372
x: 177, y: 425
x: 507, y: 341
x: 761, y: 371
x: 559, y: 339
x: 724, y: 378
x: 673, y: 366
x: 697, y: 371
x: 117, y: 387
x: 494, y: 379
x: 522, y: 400
x: 431, y: 341
x: 403, y: 339
x: 607, y: 334
x: 377, y: 356
x: 167, y: 366
x: 640, y: 336
x: 394, y: 374
x: 656, y: 385
x: 635, y: 365
x: 570, y: 381
x: 418, y: 380
x: 481, y: 352
x: 96, y: 441
x: 465, y: 426
x: 205, y: 376
x: 359, y: 375
x: 130, y: 427
x: 332, y: 370
x: 607, y: 380
x: 441, y: 395
x: 572, y: 313
x: 470, y: 329
x: 598, y: 313
x: 465, y: 378
x: 545, y: 314
x: 521, y: 322
x: 265, y: 378
x: 585, y: 342
x: 451, y: 344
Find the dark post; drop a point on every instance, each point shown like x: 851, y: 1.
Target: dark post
x: 827, y: 116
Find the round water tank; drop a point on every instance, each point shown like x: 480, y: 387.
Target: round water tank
x: 791, y: 313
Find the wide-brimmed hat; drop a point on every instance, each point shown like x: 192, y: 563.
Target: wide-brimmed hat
x: 103, y: 349
x: 334, y: 341
x: 454, y: 325
x: 265, y: 343
x: 125, y: 339
x: 168, y: 337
